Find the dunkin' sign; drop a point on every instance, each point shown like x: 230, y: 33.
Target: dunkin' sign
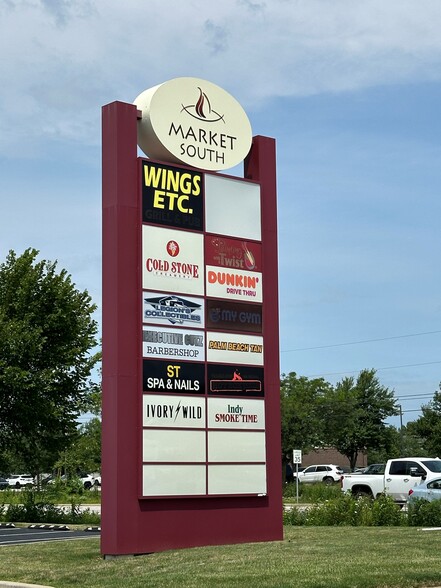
x: 233, y: 284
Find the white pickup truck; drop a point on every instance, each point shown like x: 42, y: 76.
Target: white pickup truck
x: 400, y: 475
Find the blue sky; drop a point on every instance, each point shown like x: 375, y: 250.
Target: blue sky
x: 350, y: 91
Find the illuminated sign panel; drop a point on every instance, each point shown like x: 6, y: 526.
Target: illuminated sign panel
x: 233, y: 253
x: 241, y: 413
x: 172, y: 260
x: 177, y: 377
x: 173, y: 446
x: 159, y: 410
x: 233, y: 316
x: 172, y: 196
x: 232, y: 208
x: 234, y: 348
x: 171, y: 309
x: 162, y: 480
x: 232, y: 284
x: 167, y: 343
x: 237, y: 479
x: 236, y: 446
x: 230, y: 380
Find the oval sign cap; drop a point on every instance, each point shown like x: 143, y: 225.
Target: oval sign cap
x: 194, y: 122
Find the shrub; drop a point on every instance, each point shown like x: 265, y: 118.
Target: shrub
x: 36, y: 507
x: 294, y: 516
x: 422, y: 513
x: 337, y: 511
x: 348, y: 510
x: 310, y: 493
x: 385, y: 512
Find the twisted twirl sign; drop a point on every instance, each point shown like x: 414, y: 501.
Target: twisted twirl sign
x: 191, y: 417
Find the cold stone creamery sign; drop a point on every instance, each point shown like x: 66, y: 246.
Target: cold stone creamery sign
x: 193, y: 122
x: 172, y: 260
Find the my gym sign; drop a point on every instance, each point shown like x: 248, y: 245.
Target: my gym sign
x: 194, y: 122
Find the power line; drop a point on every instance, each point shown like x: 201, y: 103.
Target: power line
x: 390, y: 367
x: 359, y: 342
x: 414, y: 397
x: 411, y: 410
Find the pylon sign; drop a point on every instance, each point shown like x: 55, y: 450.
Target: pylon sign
x: 191, y: 420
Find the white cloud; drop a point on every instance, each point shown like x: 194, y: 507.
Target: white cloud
x: 67, y: 58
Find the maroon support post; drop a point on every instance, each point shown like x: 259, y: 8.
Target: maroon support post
x: 131, y: 524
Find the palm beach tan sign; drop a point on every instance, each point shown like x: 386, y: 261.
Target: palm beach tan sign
x: 193, y: 122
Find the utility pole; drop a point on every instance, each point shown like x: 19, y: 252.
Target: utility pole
x: 401, y: 430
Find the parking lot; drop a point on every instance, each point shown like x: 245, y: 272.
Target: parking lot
x: 40, y: 533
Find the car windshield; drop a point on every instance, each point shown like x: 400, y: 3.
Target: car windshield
x: 433, y: 465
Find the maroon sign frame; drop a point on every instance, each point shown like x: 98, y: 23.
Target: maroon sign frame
x: 133, y: 525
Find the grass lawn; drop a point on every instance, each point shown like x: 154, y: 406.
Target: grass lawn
x: 309, y: 557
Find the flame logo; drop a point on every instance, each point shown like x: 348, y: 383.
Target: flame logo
x: 250, y: 262
x: 236, y: 376
x: 202, y: 109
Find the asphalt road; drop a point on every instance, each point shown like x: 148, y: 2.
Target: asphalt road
x: 21, y: 535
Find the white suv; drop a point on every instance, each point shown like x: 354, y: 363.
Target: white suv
x: 320, y: 473
x: 20, y: 480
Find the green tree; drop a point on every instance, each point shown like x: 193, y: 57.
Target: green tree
x: 428, y: 425
x: 397, y: 443
x: 355, y: 415
x: 301, y: 399
x: 84, y: 454
x: 92, y: 402
x: 47, y: 333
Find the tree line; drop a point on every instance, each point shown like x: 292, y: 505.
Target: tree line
x: 351, y: 416
x: 49, y: 351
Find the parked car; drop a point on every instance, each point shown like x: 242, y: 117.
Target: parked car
x: 328, y: 474
x: 427, y: 490
x: 20, y: 480
x: 3, y: 483
x: 345, y: 469
x: 374, y: 468
x: 400, y: 475
x: 87, y: 480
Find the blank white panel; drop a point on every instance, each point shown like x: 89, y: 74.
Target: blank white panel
x: 232, y: 207
x: 173, y: 480
x: 173, y: 446
x: 236, y: 446
x: 237, y: 479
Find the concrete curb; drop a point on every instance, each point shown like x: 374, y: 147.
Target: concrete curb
x: 20, y: 585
